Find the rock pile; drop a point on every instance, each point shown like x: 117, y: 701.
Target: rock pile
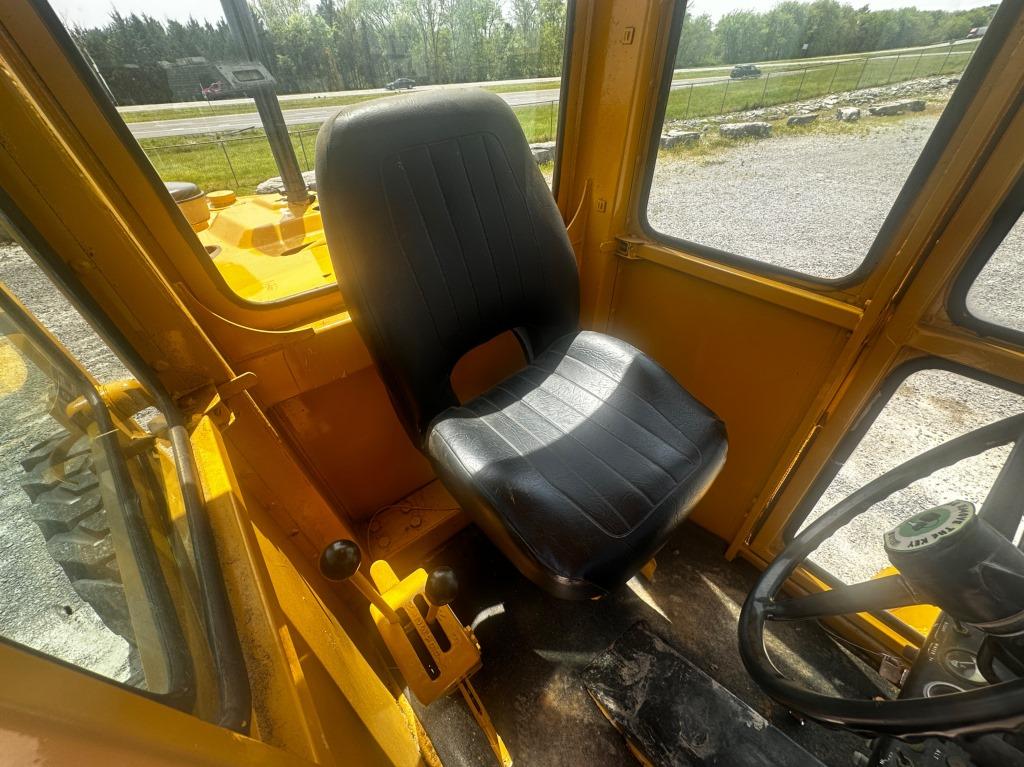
x: 543, y: 152
x: 745, y: 130
x: 911, y: 91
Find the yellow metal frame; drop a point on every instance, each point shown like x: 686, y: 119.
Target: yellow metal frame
x: 455, y: 664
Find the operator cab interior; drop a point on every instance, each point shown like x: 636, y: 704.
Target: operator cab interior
x: 650, y: 406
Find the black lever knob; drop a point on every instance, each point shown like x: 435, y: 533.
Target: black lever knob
x: 442, y: 587
x: 340, y: 560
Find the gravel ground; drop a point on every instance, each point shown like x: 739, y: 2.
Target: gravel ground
x: 786, y: 201
x: 810, y: 202
x: 38, y: 607
x: 996, y: 295
x: 930, y: 407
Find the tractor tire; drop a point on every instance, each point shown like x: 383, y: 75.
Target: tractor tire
x: 67, y: 507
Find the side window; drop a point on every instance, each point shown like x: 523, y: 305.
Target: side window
x: 181, y: 84
x: 988, y: 296
x: 76, y: 582
x: 789, y: 133
x: 920, y: 410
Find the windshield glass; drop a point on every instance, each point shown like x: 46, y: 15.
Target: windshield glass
x: 188, y: 90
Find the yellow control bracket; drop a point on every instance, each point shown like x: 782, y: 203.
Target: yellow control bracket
x: 431, y: 669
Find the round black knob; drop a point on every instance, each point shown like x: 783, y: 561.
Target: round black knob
x: 340, y: 560
x: 442, y: 587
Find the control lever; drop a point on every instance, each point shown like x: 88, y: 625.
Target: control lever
x: 441, y: 589
x: 340, y: 562
x: 431, y: 667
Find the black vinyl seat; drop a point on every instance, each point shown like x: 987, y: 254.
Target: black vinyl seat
x: 443, y: 235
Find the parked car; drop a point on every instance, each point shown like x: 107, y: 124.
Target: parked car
x: 743, y: 71
x: 402, y: 82
x: 976, y: 32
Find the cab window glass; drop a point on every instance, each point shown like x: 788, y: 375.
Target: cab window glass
x: 180, y: 80
x: 790, y: 131
x: 928, y: 408
x: 995, y: 296
x: 71, y: 580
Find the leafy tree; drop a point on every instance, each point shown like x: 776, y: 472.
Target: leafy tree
x: 316, y: 45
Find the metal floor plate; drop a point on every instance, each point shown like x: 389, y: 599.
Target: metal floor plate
x: 672, y: 714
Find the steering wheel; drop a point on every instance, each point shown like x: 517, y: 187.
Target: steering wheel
x: 998, y: 707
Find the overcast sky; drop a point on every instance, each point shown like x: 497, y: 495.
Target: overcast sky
x: 91, y: 13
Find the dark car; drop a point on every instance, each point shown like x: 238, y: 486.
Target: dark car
x: 401, y: 82
x: 743, y: 71
x: 976, y: 32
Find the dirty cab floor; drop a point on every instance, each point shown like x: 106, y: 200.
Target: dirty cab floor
x: 535, y: 649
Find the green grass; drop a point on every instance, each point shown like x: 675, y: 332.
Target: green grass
x: 739, y: 95
x: 240, y: 163
x: 718, y: 71
x: 517, y: 87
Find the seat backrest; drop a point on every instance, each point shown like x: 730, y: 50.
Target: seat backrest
x: 443, y: 235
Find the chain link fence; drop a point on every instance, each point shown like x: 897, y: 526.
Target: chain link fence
x: 715, y: 96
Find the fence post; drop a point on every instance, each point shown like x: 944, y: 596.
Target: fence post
x: 764, y: 91
x: 863, y: 69
x: 302, y: 145
x: 725, y: 93
x: 948, y: 53
x: 689, y: 96
x: 230, y: 166
x: 800, y: 89
x: 916, y: 65
x: 891, y: 71
x: 833, y: 80
x: 551, y: 121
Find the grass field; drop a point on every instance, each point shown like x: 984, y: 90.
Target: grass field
x: 785, y: 87
x: 241, y: 162
x: 967, y: 46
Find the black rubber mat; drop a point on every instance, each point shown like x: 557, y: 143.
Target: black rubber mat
x: 673, y: 714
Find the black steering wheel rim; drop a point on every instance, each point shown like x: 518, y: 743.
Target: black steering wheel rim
x: 998, y: 707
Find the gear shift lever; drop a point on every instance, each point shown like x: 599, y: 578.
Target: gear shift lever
x: 339, y: 562
x: 441, y: 589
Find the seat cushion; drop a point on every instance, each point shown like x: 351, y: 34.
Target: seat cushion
x: 581, y: 465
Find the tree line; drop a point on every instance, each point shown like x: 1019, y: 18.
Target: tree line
x: 330, y: 45
x: 795, y: 29
x: 327, y: 45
